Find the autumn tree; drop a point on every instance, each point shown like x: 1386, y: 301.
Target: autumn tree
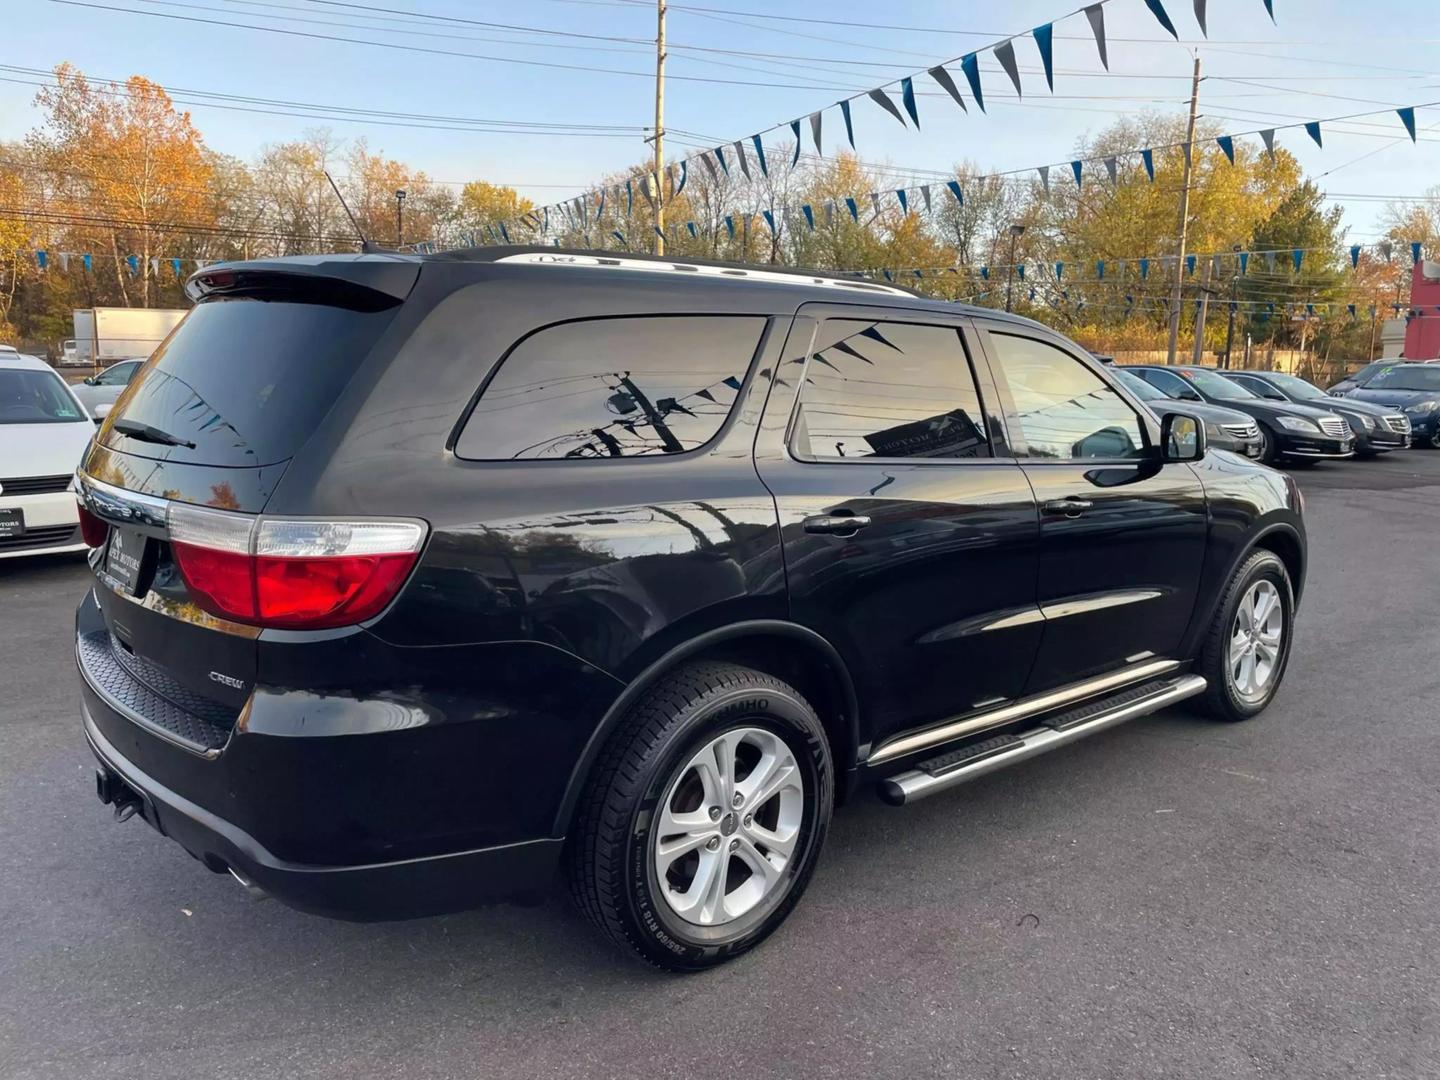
x: 126, y: 171
x: 483, y: 206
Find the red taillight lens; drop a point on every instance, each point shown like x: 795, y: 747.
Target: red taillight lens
x: 298, y: 575
x: 221, y: 582
x: 335, y: 590
x: 93, y: 530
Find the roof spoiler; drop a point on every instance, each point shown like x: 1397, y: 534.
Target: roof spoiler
x: 365, y: 283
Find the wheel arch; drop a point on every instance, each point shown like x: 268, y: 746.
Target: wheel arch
x: 1284, y: 542
x: 787, y: 650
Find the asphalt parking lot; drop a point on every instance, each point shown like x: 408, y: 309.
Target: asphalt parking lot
x: 1171, y: 899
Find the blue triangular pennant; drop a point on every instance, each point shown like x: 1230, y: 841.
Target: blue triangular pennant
x: 954, y: 186
x: 1158, y: 9
x: 1148, y: 157
x: 769, y: 217
x: 133, y: 261
x: 720, y: 157
x: 1190, y: 265
x: 1297, y: 257
x: 1270, y: 8
x: 1078, y: 167
x: 1407, y: 117
x: 809, y: 213
x: 971, y: 66
x: 795, y: 127
x: 620, y: 237
x: 1227, y: 143
x: 1354, y: 256
x: 690, y: 228
x: 41, y: 259
x: 1045, y: 41
x: 630, y: 195
x: 1313, y: 130
x: 1100, y: 269
x: 760, y: 153
x: 907, y: 95
x: 853, y: 208
x: 849, y: 128
x: 684, y: 175
x: 1059, y: 270
x: 1415, y: 250
x: 984, y: 273
x: 1144, y: 269
x: 730, y: 225
x: 904, y: 200
x: 175, y: 266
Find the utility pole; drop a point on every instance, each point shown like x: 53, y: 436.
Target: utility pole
x: 1230, y: 326
x: 660, y: 127
x: 1176, y: 297
x: 400, y: 217
x: 1197, y: 355
x: 1016, y: 231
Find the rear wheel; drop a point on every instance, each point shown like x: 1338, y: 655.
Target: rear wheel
x: 1248, y: 646
x: 702, y: 823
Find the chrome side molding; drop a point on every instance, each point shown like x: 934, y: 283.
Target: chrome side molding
x: 917, y: 784
x: 1019, y: 710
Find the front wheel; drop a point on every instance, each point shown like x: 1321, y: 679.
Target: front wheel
x: 1248, y: 645
x: 704, y: 818
x: 1269, y: 450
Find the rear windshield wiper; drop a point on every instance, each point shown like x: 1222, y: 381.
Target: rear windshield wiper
x: 145, y: 433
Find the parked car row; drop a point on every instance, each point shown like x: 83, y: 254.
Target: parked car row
x: 1278, y: 417
x: 1409, y: 387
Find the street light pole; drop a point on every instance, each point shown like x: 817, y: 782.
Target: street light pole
x: 400, y: 217
x: 1016, y: 231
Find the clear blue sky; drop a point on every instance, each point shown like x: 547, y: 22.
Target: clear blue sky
x: 1325, y: 58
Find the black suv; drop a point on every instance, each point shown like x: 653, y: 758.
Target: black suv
x: 418, y: 577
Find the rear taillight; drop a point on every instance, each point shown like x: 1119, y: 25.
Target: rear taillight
x: 93, y: 530
x: 298, y: 575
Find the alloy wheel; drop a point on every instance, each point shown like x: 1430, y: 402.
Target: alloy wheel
x: 727, y: 828
x: 1255, y: 641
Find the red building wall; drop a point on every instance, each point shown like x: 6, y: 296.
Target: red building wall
x: 1422, y: 325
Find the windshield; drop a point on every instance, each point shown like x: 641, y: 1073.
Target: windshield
x: 36, y: 397
x: 1140, y: 388
x: 1217, y: 386
x: 1297, y: 387
x: 1407, y: 378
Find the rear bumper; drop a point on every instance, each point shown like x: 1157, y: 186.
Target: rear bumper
x: 391, y: 890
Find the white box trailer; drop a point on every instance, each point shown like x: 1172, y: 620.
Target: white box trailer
x: 105, y: 335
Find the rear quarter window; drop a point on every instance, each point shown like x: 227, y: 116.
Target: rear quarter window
x: 607, y: 388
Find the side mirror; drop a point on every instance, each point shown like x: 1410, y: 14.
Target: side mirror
x: 1182, y: 437
x: 102, y: 411
x: 1188, y: 394
x: 90, y: 380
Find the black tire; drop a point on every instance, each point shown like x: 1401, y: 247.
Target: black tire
x: 1269, y: 452
x: 1222, y: 700
x: 612, y: 875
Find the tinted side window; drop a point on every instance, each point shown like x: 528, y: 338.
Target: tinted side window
x: 1065, y: 410
x: 889, y: 389
x: 1164, y: 381
x: 625, y: 387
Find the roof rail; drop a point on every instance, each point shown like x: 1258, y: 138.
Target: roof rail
x: 663, y: 266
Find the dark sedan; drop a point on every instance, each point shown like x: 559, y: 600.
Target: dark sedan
x: 1377, y: 429
x: 1287, y: 430
x: 1413, y: 389
x: 1225, y: 429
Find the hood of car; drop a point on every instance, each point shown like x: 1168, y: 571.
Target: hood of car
x: 43, y: 449
x: 1269, y: 410
x: 1396, y: 399
x: 1211, y: 414
x: 1354, y: 406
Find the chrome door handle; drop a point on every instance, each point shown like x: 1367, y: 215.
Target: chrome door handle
x: 836, y: 524
x: 1071, y: 507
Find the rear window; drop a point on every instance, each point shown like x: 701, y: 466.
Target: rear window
x: 623, y: 387
x: 36, y: 397
x: 245, y: 380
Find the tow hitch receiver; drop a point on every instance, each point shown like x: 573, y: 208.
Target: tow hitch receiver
x: 113, y: 791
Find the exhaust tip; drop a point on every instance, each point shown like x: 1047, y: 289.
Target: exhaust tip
x: 255, y: 891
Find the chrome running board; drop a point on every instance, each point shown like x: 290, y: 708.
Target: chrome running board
x: 969, y: 763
